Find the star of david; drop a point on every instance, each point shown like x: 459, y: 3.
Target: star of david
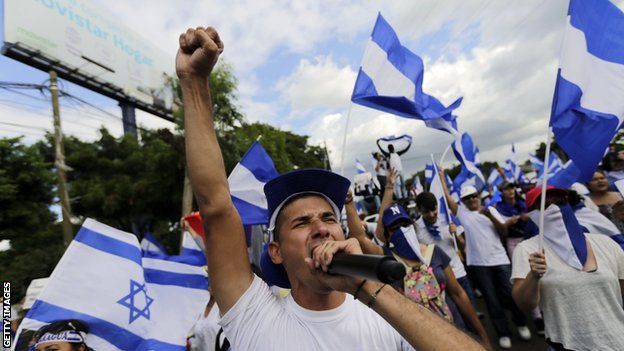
x: 131, y: 301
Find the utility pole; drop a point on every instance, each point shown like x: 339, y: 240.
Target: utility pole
x: 59, y: 162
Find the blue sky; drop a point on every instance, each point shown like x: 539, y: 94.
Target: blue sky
x: 296, y: 64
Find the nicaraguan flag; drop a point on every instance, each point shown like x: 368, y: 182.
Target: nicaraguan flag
x: 563, y: 234
x: 390, y: 79
x: 359, y: 167
x: 129, y: 302
x: 564, y: 176
x: 463, y: 148
x: 436, y: 189
x: 587, y: 105
x: 594, y: 222
x: 495, y: 178
x: 247, y: 181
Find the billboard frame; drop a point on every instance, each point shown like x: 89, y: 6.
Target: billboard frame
x: 35, y: 58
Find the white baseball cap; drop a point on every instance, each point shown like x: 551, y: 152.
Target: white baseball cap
x: 467, y: 191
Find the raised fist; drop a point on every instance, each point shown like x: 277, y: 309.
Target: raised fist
x: 199, y: 51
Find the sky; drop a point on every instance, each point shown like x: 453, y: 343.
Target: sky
x: 296, y: 64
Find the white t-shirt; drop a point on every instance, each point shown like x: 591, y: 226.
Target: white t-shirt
x: 261, y: 321
x: 445, y: 243
x: 395, y: 162
x: 382, y: 167
x: 483, y: 244
x: 205, y: 330
x: 582, y: 310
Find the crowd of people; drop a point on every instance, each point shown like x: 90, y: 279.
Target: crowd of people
x: 569, y: 280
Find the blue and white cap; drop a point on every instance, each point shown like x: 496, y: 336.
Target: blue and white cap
x: 331, y: 186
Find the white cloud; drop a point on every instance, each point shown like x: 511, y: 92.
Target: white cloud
x: 320, y: 83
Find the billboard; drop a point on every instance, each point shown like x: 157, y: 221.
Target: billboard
x: 85, y: 44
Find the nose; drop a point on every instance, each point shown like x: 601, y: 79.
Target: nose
x: 320, y: 230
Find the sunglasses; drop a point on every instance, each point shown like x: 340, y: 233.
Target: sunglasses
x: 468, y: 197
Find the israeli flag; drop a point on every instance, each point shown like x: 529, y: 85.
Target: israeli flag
x: 359, y: 167
x: 587, y: 105
x: 150, y: 244
x: 129, y: 302
x: 247, y: 181
x: 390, y: 80
x: 463, y: 148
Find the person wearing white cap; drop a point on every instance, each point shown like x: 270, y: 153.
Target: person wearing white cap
x: 487, y: 260
x: 321, y: 313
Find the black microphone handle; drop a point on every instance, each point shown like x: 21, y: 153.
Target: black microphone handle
x: 373, y: 267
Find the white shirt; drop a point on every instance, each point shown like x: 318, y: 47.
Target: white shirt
x: 483, y: 244
x: 395, y: 162
x: 445, y: 243
x: 582, y: 310
x: 261, y: 321
x: 206, y: 329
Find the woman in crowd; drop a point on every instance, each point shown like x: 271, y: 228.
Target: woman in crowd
x: 576, y: 279
x: 430, y: 279
x: 518, y: 224
x: 610, y: 203
x: 64, y: 335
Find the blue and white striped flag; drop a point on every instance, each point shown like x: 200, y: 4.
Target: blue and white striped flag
x: 359, y: 167
x: 464, y: 151
x: 587, y: 105
x: 390, y: 79
x: 150, y: 244
x: 128, y: 301
x: 495, y: 178
x: 247, y: 181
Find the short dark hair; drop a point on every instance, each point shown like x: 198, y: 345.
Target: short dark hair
x: 391, y: 148
x: 278, y: 221
x: 64, y: 325
x: 426, y: 201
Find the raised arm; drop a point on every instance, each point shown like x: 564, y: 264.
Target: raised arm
x: 386, y: 201
x: 356, y: 230
x: 447, y: 194
x: 401, y: 152
x: 226, y: 249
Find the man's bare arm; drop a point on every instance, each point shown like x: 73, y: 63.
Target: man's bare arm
x: 226, y: 250
x: 356, y: 230
x: 447, y: 194
x: 386, y: 201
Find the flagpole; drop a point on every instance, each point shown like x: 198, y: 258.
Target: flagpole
x: 344, y: 139
x: 448, y: 213
x: 444, y: 154
x: 544, y: 185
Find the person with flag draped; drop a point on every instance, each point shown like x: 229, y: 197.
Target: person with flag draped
x: 487, y: 260
x: 323, y: 311
x: 577, y: 279
x: 610, y: 203
x: 430, y: 279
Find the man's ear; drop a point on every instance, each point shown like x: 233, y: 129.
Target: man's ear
x: 275, y: 252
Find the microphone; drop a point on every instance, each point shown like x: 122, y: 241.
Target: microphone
x: 372, y: 267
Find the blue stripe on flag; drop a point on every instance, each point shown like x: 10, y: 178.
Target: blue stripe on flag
x: 601, y: 21
x: 112, y: 333
x: 249, y: 213
x: 399, y: 56
x: 132, y: 253
x: 194, y: 281
x: 259, y: 163
x: 109, y: 245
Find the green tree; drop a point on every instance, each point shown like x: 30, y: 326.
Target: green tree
x: 26, y: 194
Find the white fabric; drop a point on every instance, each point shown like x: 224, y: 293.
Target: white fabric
x: 602, y: 86
x: 245, y: 186
x: 205, y: 330
x: 395, y: 162
x: 596, y: 222
x: 412, y: 239
x: 446, y: 243
x: 260, y: 321
x: 582, y: 311
x: 388, y: 80
x: 483, y: 244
